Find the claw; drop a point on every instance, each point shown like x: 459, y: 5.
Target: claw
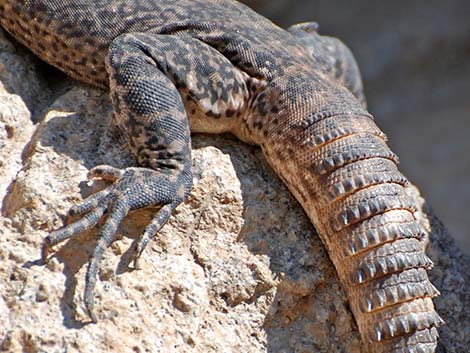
x: 157, y: 223
x: 105, y: 172
x: 90, y: 307
x: 136, y: 262
x: 105, y: 238
x: 45, y: 251
x: 138, y: 252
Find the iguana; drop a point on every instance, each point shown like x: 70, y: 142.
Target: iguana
x: 213, y: 66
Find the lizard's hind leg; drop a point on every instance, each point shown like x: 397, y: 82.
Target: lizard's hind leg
x: 154, y: 81
x: 152, y: 117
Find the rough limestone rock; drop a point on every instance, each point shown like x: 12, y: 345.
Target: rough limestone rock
x: 238, y: 268
x: 16, y: 126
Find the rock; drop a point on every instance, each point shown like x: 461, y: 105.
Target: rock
x: 238, y: 268
x: 451, y: 275
x: 16, y: 126
x: 16, y: 129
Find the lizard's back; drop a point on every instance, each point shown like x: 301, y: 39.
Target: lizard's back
x: 75, y: 35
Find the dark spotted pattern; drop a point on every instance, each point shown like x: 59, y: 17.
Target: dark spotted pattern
x: 332, y: 56
x: 215, y: 66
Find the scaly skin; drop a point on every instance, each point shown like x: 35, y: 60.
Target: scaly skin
x: 216, y: 66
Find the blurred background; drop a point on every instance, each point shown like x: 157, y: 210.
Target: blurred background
x: 415, y: 61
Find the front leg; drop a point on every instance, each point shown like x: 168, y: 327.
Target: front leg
x: 151, y: 115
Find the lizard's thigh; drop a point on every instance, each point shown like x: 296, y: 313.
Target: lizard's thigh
x: 214, y: 92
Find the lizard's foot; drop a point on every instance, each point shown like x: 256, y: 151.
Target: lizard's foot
x: 133, y: 188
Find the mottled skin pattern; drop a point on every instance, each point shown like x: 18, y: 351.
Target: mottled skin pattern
x: 332, y: 56
x: 216, y: 66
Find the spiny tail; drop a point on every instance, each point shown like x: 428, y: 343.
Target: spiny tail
x: 341, y: 170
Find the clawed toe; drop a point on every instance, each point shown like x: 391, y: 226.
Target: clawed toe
x: 105, y: 172
x: 133, y: 188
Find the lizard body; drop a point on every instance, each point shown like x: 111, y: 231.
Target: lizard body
x: 216, y: 66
